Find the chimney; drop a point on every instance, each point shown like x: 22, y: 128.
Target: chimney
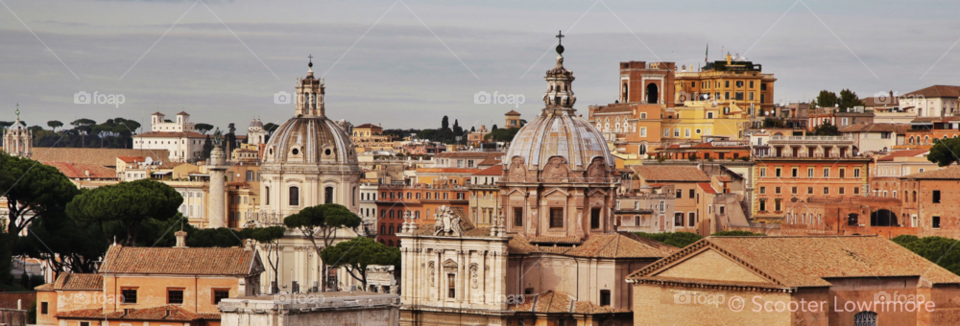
x: 248, y: 246
x: 167, y: 315
x: 181, y: 239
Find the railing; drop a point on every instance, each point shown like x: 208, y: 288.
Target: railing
x: 812, y: 138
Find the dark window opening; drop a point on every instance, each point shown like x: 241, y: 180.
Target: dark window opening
x: 294, y: 196
x: 129, y: 295
x: 518, y: 216
x: 604, y: 297
x: 936, y: 196
x: 595, y: 218
x: 175, y: 296
x: 556, y: 217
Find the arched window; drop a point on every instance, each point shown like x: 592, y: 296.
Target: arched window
x: 266, y: 195
x: 625, y: 93
x: 328, y: 195
x: 643, y: 149
x: 294, y: 196
x: 390, y: 243
x: 653, y: 95
x: 865, y: 318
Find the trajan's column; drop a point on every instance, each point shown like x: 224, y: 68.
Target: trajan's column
x: 218, y: 169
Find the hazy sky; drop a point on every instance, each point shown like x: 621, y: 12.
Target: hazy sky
x: 406, y: 63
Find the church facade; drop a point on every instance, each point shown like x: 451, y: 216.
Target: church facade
x: 553, y: 257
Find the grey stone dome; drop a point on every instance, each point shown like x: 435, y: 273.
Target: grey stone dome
x: 310, y: 140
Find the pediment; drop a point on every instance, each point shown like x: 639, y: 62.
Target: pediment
x: 711, y: 265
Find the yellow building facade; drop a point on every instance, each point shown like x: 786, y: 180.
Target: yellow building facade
x: 698, y: 119
x: 733, y: 81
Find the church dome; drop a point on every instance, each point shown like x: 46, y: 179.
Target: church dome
x: 558, y: 131
x: 310, y: 137
x: 310, y: 140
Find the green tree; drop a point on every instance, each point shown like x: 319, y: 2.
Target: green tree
x: 848, y: 99
x: 128, y: 204
x: 939, y: 250
x: 32, y: 190
x: 270, y: 238
x: 826, y: 129
x: 457, y: 130
x: 207, y: 147
x: 502, y: 134
x: 826, y: 99
x: 323, y: 221
x: 358, y: 253
x: 676, y: 239
x: 54, y: 124
x: 203, y: 128
x: 944, y: 152
x: 445, y: 123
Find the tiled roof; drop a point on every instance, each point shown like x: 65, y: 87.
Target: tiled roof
x: 489, y: 161
x: 661, y: 173
x: 367, y: 125
x: 560, y: 302
x: 937, y: 91
x: 159, y: 313
x: 78, y: 282
x: 948, y: 173
x: 185, y: 261
x: 81, y: 171
x: 723, y: 178
x: 807, y: 261
x: 904, y: 153
x: 98, y: 156
x: 518, y: 244
x: 876, y: 101
x: 493, y: 170
x: 621, y: 245
x: 617, y: 107
x: 512, y: 112
x: 131, y: 159
x: 877, y: 127
x: 469, y: 154
x: 167, y: 134
x: 572, y: 239
x: 706, y: 187
x: 935, y: 119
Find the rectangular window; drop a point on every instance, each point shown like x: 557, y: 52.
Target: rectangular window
x: 856, y: 191
x: 810, y: 173
x: 796, y: 172
x: 44, y: 308
x: 556, y: 217
x: 666, y: 132
x: 776, y: 190
x: 843, y: 173
x: 692, y: 217
x: 842, y: 190
x: 763, y: 190
x: 777, y: 174
x: 595, y: 218
x: 686, y: 133
x: 721, y: 210
x: 826, y: 190
x: 676, y: 133
x: 739, y: 83
x: 777, y: 204
x: 793, y: 190
x: 517, y: 216
x: 809, y: 190
x: 84, y: 323
x: 763, y: 205
x: 826, y: 172
x: 451, y: 286
x: 936, y: 196
x: 129, y: 295
x: 751, y: 96
x: 678, y: 219
x: 936, y: 222
x: 220, y: 295
x: 679, y: 193
x: 763, y: 172
x: 643, y: 131
x: 856, y: 173
x: 604, y: 298
x: 692, y: 193
x: 174, y: 296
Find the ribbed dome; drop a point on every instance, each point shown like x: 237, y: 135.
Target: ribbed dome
x: 310, y: 140
x: 558, y: 133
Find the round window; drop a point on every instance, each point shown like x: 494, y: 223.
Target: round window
x: 295, y: 151
x: 698, y: 131
x: 327, y: 151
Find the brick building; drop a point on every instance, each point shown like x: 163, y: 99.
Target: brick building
x: 853, y: 280
x: 930, y: 202
x: 689, y: 194
x: 421, y: 201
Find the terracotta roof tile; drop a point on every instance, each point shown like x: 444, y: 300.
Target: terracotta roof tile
x: 707, y: 188
x: 621, y: 245
x: 189, y: 261
x: 947, y: 173
x: 368, y: 125
x: 190, y: 134
x: 512, y: 112
x: 82, y: 171
x: 159, y: 313
x: 937, y: 91
x: 131, y: 159
x: 560, y: 240
x: 493, y: 170
x: 663, y: 173
x: 807, y: 261
x: 898, y: 128
x: 904, y: 153
x: 560, y: 302
x: 78, y: 281
x: 518, y: 244
x: 98, y: 156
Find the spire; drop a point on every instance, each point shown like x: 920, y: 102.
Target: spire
x: 310, y: 65
x: 18, y: 111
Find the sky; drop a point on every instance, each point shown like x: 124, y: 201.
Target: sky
x: 407, y: 63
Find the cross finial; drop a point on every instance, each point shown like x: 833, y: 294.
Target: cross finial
x: 560, y: 37
x: 311, y: 61
x: 18, y: 110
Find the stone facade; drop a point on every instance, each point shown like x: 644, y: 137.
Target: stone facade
x: 332, y: 308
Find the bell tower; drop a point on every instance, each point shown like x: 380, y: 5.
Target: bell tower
x: 17, y: 140
x: 309, y: 96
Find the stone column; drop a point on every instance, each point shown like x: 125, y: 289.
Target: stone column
x: 217, y: 204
